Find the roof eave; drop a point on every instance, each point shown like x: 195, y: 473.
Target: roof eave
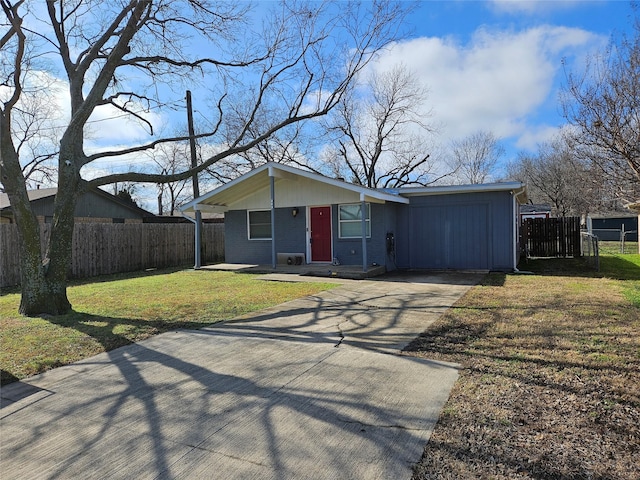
x: 273, y: 169
x: 515, y: 188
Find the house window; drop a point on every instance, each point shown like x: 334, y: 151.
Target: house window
x: 259, y: 224
x: 350, y: 220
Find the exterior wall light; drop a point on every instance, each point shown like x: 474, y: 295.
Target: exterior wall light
x: 294, y: 212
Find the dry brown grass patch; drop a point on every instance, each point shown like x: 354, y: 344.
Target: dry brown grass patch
x: 549, y: 384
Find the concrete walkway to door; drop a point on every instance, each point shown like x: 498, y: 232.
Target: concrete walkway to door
x: 314, y: 388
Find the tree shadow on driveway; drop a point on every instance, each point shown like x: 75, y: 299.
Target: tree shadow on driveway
x: 267, y: 395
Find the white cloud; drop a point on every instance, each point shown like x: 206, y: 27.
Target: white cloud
x: 497, y: 81
x: 111, y: 126
x: 533, y: 136
x: 530, y: 7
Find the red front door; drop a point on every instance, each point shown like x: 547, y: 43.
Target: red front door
x: 320, y: 234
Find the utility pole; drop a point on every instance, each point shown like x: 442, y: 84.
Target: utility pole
x: 196, y: 187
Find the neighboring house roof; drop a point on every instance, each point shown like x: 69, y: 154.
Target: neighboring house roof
x: 33, y: 195
x: 223, y: 198
x: 42, y: 193
x: 612, y: 215
x: 534, y: 208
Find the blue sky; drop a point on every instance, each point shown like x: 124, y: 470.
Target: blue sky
x: 487, y: 65
x: 497, y: 65
x: 494, y: 64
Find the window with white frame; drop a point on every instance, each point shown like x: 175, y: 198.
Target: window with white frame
x: 259, y: 223
x: 350, y: 220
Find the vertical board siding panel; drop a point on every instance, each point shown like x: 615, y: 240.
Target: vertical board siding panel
x: 105, y: 258
x: 141, y: 245
x: 552, y: 237
x: 145, y: 247
x: 160, y: 248
x: 9, y: 261
x: 107, y: 248
x: 76, y: 246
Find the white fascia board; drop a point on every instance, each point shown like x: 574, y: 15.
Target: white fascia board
x: 453, y: 189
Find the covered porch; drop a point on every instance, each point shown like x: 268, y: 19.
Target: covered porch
x: 277, y: 210
x: 355, y: 272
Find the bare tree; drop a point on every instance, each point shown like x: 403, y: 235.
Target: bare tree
x: 474, y: 158
x: 170, y: 159
x: 118, y: 54
x: 36, y: 137
x: 292, y: 145
x: 556, y: 177
x: 34, y: 116
x: 380, y: 133
x: 603, y: 104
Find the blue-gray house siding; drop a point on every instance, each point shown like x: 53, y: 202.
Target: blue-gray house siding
x: 455, y: 231
x: 442, y: 227
x: 460, y: 231
x: 348, y: 251
x: 291, y: 237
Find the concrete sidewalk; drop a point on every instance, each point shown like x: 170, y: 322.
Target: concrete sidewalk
x: 312, y: 388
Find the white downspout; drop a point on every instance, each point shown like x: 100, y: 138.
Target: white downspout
x: 516, y: 227
x: 363, y: 211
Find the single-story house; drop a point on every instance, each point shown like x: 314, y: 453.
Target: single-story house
x: 611, y: 228
x: 95, y: 206
x: 280, y: 214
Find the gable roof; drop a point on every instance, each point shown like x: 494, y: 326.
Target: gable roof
x: 258, y: 179
x: 33, y: 195
x: 41, y: 193
x: 237, y: 190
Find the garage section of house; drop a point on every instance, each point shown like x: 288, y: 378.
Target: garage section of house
x: 459, y: 227
x: 279, y: 213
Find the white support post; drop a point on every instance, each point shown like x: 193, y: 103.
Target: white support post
x: 274, y: 262
x: 198, y: 243
x: 363, y: 211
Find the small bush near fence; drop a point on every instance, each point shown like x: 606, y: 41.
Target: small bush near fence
x: 104, y: 248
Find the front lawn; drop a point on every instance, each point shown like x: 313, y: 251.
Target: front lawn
x: 117, y: 310
x: 550, y: 379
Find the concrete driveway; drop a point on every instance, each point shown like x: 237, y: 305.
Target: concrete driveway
x: 313, y: 388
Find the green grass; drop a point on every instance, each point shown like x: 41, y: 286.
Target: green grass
x: 119, y: 310
x: 624, y: 267
x: 613, y: 248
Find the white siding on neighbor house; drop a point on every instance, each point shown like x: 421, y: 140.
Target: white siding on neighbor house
x: 300, y: 192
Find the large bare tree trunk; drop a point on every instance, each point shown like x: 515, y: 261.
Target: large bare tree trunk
x: 43, y: 283
x: 94, y: 41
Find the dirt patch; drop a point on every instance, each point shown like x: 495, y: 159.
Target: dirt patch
x: 549, y: 385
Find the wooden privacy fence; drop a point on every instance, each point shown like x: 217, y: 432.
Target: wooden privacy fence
x: 105, y: 248
x: 551, y: 237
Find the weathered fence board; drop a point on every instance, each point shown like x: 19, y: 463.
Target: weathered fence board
x: 552, y: 237
x: 104, y: 248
